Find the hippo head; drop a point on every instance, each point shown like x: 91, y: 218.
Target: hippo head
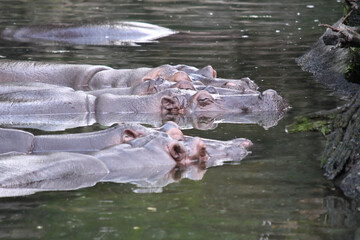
x: 195, y: 147
x: 168, y: 143
x: 189, y: 102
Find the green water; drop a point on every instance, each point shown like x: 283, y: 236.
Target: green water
x: 277, y: 192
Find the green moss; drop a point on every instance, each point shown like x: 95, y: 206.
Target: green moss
x: 305, y: 124
x: 352, y: 72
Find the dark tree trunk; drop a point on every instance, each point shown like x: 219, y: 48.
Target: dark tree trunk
x: 335, y: 56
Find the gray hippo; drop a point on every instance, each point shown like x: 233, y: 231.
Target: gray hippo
x: 95, y: 77
x: 62, y: 106
x: 51, y: 108
x: 161, y: 153
x: 63, y: 100
x: 19, y: 141
x: 116, y: 33
x: 146, y: 87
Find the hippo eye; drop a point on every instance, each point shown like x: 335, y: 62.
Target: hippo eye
x: 203, y: 101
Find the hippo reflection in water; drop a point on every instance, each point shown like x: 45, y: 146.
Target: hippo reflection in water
x: 148, y: 158
x: 116, y: 33
x: 93, y: 77
x: 50, y: 104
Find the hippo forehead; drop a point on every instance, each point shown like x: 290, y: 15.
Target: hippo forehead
x: 187, y: 94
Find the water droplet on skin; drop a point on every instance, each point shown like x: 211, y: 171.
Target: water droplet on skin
x: 277, y: 31
x: 245, y: 36
x: 298, y: 14
x: 310, y: 6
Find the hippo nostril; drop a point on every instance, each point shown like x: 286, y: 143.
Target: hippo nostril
x: 202, y: 152
x: 197, y: 150
x: 176, y: 151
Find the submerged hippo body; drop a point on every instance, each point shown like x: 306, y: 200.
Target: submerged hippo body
x: 147, y: 161
x: 13, y: 140
x: 55, y: 171
x: 118, y: 33
x: 19, y: 141
x: 95, y: 77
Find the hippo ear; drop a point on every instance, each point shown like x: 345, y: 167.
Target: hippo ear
x: 129, y: 135
x: 144, y: 88
x: 176, y: 151
x: 178, y: 76
x: 208, y: 72
x: 183, y: 84
x: 153, y: 73
x: 144, y: 79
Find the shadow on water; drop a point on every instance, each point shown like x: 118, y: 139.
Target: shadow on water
x: 277, y: 192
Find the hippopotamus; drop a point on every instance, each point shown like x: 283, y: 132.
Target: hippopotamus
x: 152, y: 157
x: 115, y: 33
x: 63, y: 100
x: 19, y: 141
x: 95, y: 77
x: 59, y: 104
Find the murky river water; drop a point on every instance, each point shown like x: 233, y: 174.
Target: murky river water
x: 277, y: 192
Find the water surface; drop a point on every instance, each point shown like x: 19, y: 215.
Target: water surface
x: 277, y: 192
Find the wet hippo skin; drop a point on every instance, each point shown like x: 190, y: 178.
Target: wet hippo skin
x: 171, y: 101
x: 52, y: 107
x: 95, y: 141
x: 94, y: 77
x: 115, y: 33
x: 163, y: 150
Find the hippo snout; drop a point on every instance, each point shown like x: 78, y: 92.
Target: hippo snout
x: 270, y: 93
x: 271, y: 97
